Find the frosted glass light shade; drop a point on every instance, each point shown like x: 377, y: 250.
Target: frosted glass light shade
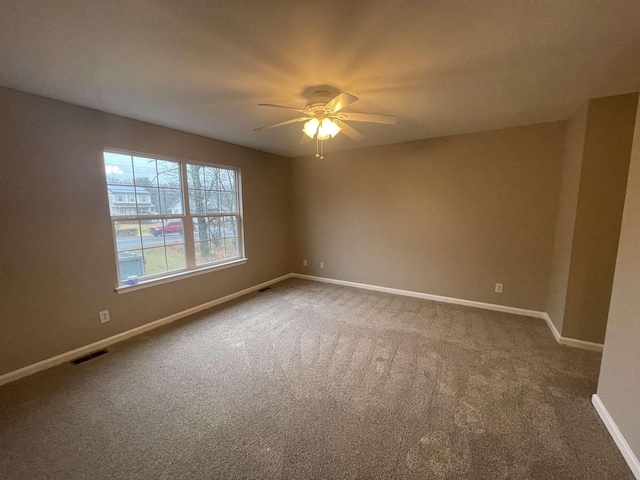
x: 328, y: 129
x: 311, y: 127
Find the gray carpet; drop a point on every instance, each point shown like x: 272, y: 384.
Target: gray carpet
x: 309, y: 380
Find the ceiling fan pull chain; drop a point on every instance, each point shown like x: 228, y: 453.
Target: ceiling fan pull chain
x: 317, y: 147
x: 321, y: 149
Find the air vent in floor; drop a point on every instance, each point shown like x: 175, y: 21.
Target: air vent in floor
x: 86, y: 358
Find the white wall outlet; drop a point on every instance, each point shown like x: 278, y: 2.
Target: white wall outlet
x: 498, y: 288
x: 321, y: 264
x: 104, y: 316
x: 304, y: 263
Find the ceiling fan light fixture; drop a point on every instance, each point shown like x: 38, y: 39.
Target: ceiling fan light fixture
x: 324, y: 129
x: 311, y: 127
x: 328, y: 129
x: 324, y: 118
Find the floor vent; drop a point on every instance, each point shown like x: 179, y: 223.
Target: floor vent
x: 86, y: 358
x: 264, y: 289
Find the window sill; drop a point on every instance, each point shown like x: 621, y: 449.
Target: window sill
x: 178, y: 276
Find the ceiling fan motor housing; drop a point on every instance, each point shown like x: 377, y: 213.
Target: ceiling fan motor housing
x: 319, y: 99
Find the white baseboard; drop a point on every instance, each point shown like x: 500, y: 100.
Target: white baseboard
x: 79, y: 352
x: 427, y: 296
x: 552, y: 327
x: 572, y: 342
x: 616, y: 434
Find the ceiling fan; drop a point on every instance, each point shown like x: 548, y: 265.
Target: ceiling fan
x: 324, y: 118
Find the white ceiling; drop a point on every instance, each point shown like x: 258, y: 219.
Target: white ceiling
x: 443, y: 67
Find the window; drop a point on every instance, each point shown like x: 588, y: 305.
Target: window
x: 172, y: 225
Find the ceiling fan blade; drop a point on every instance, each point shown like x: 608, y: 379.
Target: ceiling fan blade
x: 301, y: 119
x: 350, y: 132
x: 341, y: 101
x: 301, y: 110
x: 369, y: 117
x: 305, y: 139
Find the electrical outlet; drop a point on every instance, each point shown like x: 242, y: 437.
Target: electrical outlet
x: 498, y: 288
x: 304, y: 263
x: 104, y: 316
x: 321, y: 264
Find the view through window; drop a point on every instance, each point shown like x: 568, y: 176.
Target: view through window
x: 163, y: 225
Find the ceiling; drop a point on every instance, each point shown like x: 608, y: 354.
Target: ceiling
x: 443, y: 67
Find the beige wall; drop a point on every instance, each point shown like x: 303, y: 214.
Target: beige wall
x: 618, y: 387
x: 565, y: 222
x: 603, y: 179
x: 449, y: 216
x: 57, y: 261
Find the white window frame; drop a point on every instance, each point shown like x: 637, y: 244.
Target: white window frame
x: 187, y: 218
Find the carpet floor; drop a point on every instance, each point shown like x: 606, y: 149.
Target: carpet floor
x: 310, y: 380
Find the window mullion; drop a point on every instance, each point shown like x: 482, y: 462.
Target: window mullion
x: 124, y: 218
x: 189, y: 246
x: 115, y: 247
x: 240, y: 238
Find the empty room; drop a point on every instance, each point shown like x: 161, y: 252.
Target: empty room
x: 332, y: 240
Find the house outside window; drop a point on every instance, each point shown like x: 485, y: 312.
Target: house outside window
x: 155, y: 236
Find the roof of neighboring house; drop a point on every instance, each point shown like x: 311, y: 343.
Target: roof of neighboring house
x: 121, y: 188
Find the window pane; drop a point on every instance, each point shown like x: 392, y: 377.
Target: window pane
x: 195, y: 176
x: 122, y: 199
x: 217, y: 249
x: 152, y: 233
x: 131, y: 264
x: 230, y: 247
x: 215, y: 228
x: 222, y: 235
x: 168, y: 174
x: 154, y: 260
x: 118, y: 168
x: 147, y: 199
x: 228, y: 202
x: 213, y: 201
x: 175, y: 257
x: 211, y: 178
x: 170, y: 201
x: 230, y: 227
x: 197, y: 201
x: 203, y: 253
x: 156, y: 233
x: 127, y: 235
x: 145, y: 171
x: 227, y: 180
x: 200, y: 229
x: 173, y: 231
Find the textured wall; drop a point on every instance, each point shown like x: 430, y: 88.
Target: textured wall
x: 565, y: 223
x: 618, y: 387
x: 57, y: 261
x: 603, y: 179
x: 449, y: 216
